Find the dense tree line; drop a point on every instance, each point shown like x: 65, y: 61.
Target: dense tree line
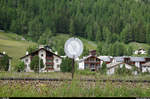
x: 98, y: 20
x: 115, y: 49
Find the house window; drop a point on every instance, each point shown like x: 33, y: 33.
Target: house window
x: 56, y: 60
x: 26, y: 60
x: 97, y: 60
x: 49, y: 66
x: 92, y: 59
x: 49, y: 60
x: 86, y: 66
x: 58, y: 66
x: 92, y: 66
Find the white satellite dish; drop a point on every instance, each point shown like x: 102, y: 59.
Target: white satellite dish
x: 73, y: 47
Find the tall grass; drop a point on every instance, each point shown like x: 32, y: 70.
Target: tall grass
x: 73, y: 88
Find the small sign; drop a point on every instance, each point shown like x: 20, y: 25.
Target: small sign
x: 73, y: 47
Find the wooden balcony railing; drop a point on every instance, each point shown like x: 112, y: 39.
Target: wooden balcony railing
x: 49, y: 57
x: 47, y: 63
x: 92, y: 61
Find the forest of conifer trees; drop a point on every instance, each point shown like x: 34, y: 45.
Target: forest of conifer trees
x: 97, y: 20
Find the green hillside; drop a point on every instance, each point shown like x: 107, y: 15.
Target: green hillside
x: 137, y: 46
x: 13, y: 45
x: 61, y: 38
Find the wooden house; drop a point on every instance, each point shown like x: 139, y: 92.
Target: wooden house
x: 50, y: 59
x: 91, y: 61
x: 129, y: 62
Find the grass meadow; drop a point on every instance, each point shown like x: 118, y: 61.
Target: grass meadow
x: 74, y: 88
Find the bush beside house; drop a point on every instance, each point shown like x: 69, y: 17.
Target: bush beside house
x: 20, y: 66
x: 4, y: 63
x: 66, y: 65
x: 35, y: 64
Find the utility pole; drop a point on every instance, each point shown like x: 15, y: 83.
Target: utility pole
x: 72, y: 67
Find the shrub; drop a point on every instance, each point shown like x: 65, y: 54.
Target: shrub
x: 103, y: 69
x: 123, y: 71
x: 20, y: 66
x: 134, y: 68
x: 34, y: 65
x: 118, y: 70
x: 4, y: 63
x: 66, y: 65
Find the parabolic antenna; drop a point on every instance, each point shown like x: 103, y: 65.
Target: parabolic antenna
x: 73, y: 47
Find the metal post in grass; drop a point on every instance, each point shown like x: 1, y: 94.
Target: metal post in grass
x: 73, y: 49
x: 72, y: 67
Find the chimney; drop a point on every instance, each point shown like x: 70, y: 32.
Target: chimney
x: 27, y: 52
x: 56, y: 52
x: 4, y: 52
x: 41, y: 46
x: 92, y: 52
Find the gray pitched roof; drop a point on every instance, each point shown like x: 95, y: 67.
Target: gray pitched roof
x: 1, y: 55
x: 104, y: 58
x: 119, y: 59
x: 146, y: 64
x: 39, y: 50
x: 80, y: 60
x: 139, y: 59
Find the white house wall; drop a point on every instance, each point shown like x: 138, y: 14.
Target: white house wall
x: 81, y: 65
x: 27, y: 63
x: 144, y: 69
x: 57, y: 63
x: 9, y: 69
x: 42, y: 57
x: 101, y: 62
x: 137, y: 64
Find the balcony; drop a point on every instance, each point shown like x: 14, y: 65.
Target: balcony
x: 49, y: 63
x: 49, y: 57
x: 91, y: 61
